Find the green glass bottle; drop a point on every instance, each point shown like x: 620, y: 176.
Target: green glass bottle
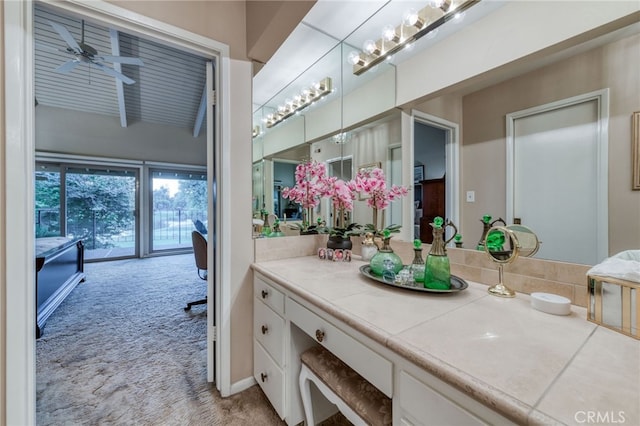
x: 385, y: 260
x: 276, y: 230
x: 418, y: 266
x: 438, y: 271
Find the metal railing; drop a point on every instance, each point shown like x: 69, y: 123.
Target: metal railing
x: 171, y: 228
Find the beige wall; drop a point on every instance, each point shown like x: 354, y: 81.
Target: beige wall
x: 241, y: 241
x: 263, y: 37
x: 614, y: 66
x: 223, y: 21
x: 81, y: 133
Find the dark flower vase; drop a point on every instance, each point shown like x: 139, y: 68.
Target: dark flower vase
x: 338, y: 242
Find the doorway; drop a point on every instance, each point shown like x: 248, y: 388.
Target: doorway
x: 557, y: 176
x: 20, y: 152
x: 434, y: 173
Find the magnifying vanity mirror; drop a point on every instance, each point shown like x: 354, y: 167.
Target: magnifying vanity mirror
x: 503, y: 245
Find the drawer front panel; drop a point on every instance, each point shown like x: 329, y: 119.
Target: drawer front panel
x: 422, y: 402
x: 369, y: 364
x: 270, y: 378
x: 269, y: 295
x: 268, y: 329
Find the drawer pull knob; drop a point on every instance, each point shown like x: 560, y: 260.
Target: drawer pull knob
x: 265, y: 329
x: 319, y: 335
x: 263, y: 377
x: 265, y: 293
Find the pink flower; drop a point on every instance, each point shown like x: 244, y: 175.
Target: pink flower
x: 373, y: 183
x: 310, y: 184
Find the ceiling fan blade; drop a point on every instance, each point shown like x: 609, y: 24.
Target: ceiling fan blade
x: 114, y: 73
x: 67, y: 66
x: 120, y: 59
x: 66, y: 36
x: 49, y: 48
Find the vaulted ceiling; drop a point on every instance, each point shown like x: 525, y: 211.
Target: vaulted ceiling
x: 168, y: 88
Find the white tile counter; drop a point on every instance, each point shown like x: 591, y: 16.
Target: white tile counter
x: 529, y: 366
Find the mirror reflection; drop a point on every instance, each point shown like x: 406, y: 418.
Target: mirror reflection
x: 455, y: 146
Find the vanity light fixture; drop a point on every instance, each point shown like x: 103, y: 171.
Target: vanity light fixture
x: 415, y: 24
x: 256, y: 131
x: 308, y: 96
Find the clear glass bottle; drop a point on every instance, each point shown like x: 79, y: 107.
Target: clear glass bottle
x: 385, y: 259
x: 438, y: 271
x: 418, y: 266
x: 369, y: 247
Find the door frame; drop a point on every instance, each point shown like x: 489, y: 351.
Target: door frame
x: 452, y: 168
x: 602, y: 189
x: 19, y: 363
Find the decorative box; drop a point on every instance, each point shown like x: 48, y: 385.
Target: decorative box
x: 614, y: 303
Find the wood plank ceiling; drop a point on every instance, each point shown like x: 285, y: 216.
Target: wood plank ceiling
x: 168, y: 88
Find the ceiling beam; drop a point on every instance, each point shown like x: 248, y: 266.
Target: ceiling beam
x: 115, y: 51
x: 201, y: 110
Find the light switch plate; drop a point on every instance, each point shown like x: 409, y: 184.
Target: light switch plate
x: 471, y: 196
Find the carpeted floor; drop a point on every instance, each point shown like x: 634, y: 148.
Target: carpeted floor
x: 120, y: 350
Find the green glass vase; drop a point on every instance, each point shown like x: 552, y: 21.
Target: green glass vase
x: 438, y: 273
x: 418, y: 266
x: 385, y: 260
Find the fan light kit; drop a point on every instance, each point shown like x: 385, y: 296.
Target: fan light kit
x: 308, y: 96
x: 415, y: 24
x: 88, y: 55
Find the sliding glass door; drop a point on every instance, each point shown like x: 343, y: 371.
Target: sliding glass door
x: 179, y: 206
x: 95, y: 204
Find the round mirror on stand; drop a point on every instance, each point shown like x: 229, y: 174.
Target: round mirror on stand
x: 503, y: 245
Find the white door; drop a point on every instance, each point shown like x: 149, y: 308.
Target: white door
x: 557, y: 178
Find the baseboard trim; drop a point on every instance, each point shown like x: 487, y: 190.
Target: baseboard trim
x: 241, y: 385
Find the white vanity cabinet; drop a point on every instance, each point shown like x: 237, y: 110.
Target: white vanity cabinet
x: 285, y: 325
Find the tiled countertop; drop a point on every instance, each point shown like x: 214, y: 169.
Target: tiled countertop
x: 530, y: 366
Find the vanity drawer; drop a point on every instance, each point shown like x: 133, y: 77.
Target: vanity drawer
x: 369, y: 364
x: 270, y: 378
x: 420, y: 403
x: 269, y: 295
x: 268, y: 329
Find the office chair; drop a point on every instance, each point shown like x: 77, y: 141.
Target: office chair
x: 200, y: 253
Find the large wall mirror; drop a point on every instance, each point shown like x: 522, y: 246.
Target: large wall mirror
x: 471, y: 123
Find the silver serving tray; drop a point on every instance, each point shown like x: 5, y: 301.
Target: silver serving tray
x: 457, y: 283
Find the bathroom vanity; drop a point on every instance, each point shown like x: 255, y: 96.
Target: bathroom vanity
x: 458, y: 358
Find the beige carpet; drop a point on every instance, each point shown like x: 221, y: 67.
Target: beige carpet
x: 120, y: 350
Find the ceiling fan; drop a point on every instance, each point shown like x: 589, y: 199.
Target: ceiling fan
x: 86, y: 54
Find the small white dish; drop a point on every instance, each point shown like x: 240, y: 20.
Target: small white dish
x: 551, y: 303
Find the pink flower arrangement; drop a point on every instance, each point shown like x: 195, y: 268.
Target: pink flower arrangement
x: 372, y: 183
x: 311, y: 186
x: 342, y: 196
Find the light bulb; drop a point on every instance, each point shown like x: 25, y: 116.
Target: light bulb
x: 355, y: 59
x: 389, y: 33
x: 412, y: 19
x: 369, y: 46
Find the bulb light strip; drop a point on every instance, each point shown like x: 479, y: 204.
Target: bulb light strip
x: 414, y: 26
x: 299, y: 102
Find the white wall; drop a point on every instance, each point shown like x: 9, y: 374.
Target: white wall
x: 81, y: 133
